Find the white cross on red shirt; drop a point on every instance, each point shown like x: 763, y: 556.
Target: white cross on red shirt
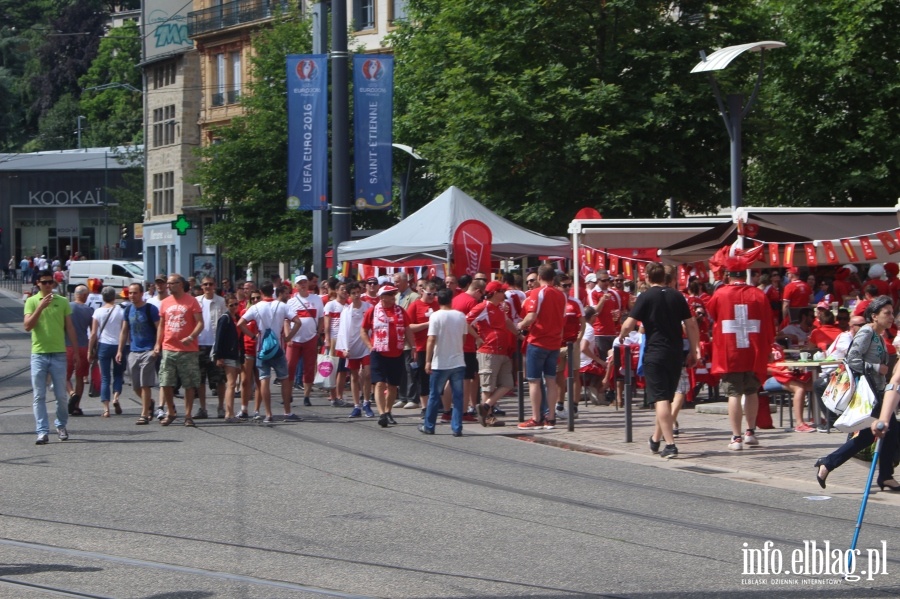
x: 741, y: 326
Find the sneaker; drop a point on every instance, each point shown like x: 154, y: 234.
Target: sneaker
x: 356, y: 413
x: 490, y: 421
x: 268, y: 420
x: 446, y: 416
x: 201, y: 414
x: 804, y: 428
x: 467, y: 417
x: 338, y: 403
x: 62, y: 433
x: 561, y: 413
x: 484, y: 411
x: 750, y: 438
x: 411, y: 405
x: 367, y: 410
x: 736, y: 444
x: 298, y: 386
x: 243, y: 416
x: 654, y: 445
x: 292, y: 418
x: 531, y: 423
x: 498, y: 412
x: 549, y: 425
x: 258, y: 417
x: 306, y: 402
x: 669, y: 452
x: 42, y: 439
x: 399, y: 403
x: 470, y: 411
x: 220, y: 412
x: 160, y: 414
x: 425, y: 431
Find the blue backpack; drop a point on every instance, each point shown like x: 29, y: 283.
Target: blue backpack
x: 269, y: 347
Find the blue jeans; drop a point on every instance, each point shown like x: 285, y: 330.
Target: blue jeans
x: 106, y: 356
x: 540, y: 363
x: 439, y: 379
x: 55, y: 366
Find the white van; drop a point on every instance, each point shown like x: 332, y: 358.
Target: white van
x: 113, y: 273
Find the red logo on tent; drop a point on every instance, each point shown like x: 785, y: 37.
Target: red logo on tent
x: 471, y: 248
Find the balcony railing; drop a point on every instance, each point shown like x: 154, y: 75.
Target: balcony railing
x: 230, y: 14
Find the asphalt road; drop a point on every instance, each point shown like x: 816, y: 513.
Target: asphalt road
x: 331, y: 507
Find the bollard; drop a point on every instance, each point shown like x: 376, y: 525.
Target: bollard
x: 521, y: 378
x: 570, y: 384
x: 629, y: 388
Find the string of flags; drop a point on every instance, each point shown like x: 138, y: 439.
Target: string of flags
x: 782, y: 253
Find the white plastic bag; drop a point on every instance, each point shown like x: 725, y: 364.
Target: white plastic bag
x: 840, y: 389
x: 858, y: 414
x: 326, y: 371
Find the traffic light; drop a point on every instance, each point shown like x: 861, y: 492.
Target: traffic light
x: 124, y: 231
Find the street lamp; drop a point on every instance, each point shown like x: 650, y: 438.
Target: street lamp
x: 404, y: 184
x: 717, y: 61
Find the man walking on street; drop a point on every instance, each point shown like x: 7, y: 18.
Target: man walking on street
x: 139, y: 331
x: 213, y: 307
x: 82, y: 317
x: 48, y: 317
x: 663, y: 311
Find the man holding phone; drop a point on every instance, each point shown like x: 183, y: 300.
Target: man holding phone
x: 48, y: 318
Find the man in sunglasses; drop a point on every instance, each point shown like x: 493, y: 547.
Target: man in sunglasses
x: 371, y: 292
x: 213, y: 306
x: 48, y: 317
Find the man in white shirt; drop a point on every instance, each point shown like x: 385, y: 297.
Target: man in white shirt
x: 349, y: 343
x: 445, y: 361
x: 333, y: 310
x: 213, y: 307
x: 303, y: 344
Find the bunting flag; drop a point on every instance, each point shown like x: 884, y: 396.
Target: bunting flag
x: 626, y: 269
x: 682, y: 276
x: 613, y: 266
x: 789, y: 255
x: 811, y: 259
x: 773, y: 254
x: 848, y: 249
x: 831, y: 256
x: 642, y: 270
x: 701, y: 271
x: 888, y: 241
x: 345, y: 269
x: 868, y: 250
x: 599, y: 261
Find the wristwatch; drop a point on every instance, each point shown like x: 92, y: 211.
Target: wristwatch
x: 892, y: 387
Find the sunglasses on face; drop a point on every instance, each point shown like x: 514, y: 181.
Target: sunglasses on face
x: 603, y: 280
x: 531, y: 281
x: 232, y: 305
x: 50, y: 282
x: 254, y: 298
x: 566, y: 286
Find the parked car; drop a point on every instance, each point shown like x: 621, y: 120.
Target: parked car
x: 113, y: 273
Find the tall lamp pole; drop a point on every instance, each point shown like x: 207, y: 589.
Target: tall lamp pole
x: 404, y: 184
x: 735, y: 112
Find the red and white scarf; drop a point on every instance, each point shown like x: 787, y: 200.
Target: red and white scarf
x: 381, y: 328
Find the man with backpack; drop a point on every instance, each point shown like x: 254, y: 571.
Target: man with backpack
x: 269, y: 316
x: 139, y: 326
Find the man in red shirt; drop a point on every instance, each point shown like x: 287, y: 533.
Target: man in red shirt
x: 742, y: 338
x: 498, y: 335
x: 419, y: 312
x: 796, y: 293
x: 385, y: 329
x: 573, y: 329
x: 545, y: 310
x: 371, y: 295
x: 464, y: 302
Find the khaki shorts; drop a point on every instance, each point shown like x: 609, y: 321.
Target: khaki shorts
x: 142, y: 366
x: 183, y: 366
x: 494, y: 370
x: 740, y: 383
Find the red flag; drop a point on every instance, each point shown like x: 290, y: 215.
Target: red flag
x: 613, y: 265
x: 831, y: 256
x: 811, y: 259
x: 888, y: 241
x: 642, y: 269
x: 587, y: 261
x: 773, y: 254
x: 682, y: 276
x: 868, y: 250
x: 471, y: 248
x: 626, y: 269
x: 789, y: 254
x: 744, y: 330
x: 701, y: 271
x: 599, y: 260
x: 848, y: 249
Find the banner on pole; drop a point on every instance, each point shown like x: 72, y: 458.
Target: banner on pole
x: 472, y: 248
x: 373, y: 106
x: 307, y: 86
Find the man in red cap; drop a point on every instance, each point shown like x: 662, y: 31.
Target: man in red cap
x: 796, y: 295
x: 742, y: 338
x: 498, y: 335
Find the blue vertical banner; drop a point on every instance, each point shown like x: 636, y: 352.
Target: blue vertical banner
x: 307, y: 106
x: 373, y: 111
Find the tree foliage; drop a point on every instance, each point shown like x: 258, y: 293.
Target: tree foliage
x: 538, y: 107
x: 828, y: 129
x: 244, y: 174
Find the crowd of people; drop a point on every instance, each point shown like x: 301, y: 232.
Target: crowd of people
x: 449, y: 347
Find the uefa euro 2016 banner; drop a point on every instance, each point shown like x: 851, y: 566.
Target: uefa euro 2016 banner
x: 307, y: 104
x: 373, y: 107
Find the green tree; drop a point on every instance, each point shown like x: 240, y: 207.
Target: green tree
x: 114, y: 112
x: 538, y: 107
x: 244, y: 174
x: 829, y: 131
x: 57, y: 128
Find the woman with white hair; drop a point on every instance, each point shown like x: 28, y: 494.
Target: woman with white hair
x: 103, y: 347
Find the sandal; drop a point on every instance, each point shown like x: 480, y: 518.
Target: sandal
x: 116, y: 406
x: 169, y: 419
x: 142, y: 420
x: 105, y: 414
x: 189, y: 422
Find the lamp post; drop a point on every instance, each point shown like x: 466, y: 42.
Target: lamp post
x: 404, y: 184
x: 735, y: 112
